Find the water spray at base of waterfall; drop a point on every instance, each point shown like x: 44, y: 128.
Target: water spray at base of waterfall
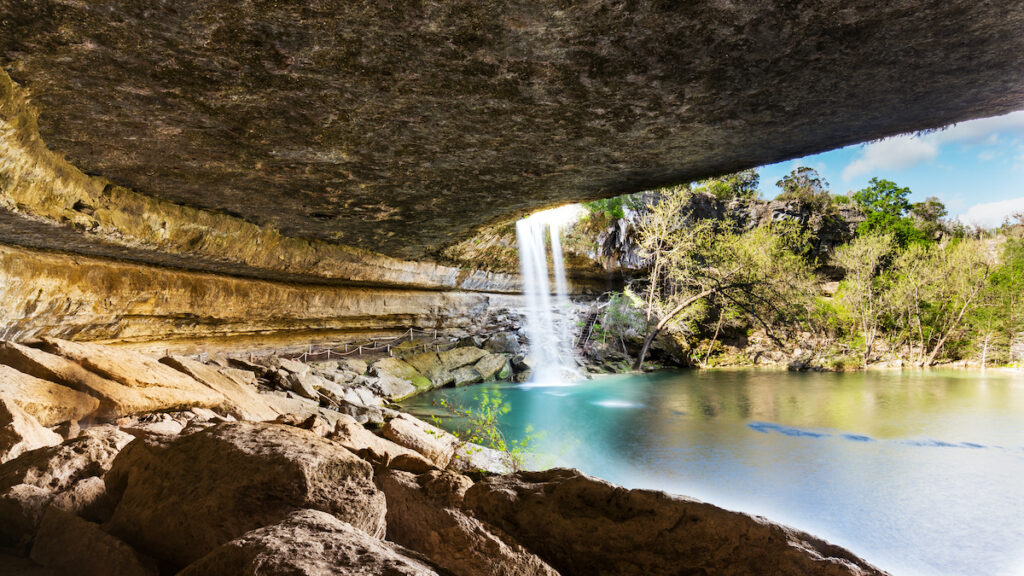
x: 548, y: 313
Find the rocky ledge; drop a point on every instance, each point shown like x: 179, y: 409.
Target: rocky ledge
x: 116, y: 463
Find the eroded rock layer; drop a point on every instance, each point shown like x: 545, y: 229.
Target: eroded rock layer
x: 53, y: 294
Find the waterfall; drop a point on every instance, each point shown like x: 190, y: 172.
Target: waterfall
x: 548, y: 318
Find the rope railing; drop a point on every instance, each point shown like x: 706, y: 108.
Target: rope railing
x: 373, y: 344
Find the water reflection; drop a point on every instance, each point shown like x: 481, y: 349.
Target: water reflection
x: 920, y: 472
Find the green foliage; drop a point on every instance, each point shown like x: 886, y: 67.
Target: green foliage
x: 806, y: 186
x: 741, y: 185
x: 885, y: 206
x: 479, y: 425
x: 611, y: 208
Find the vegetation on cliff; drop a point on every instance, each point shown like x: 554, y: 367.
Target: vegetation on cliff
x: 904, y: 286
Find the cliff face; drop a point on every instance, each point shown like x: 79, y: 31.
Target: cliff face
x: 53, y: 294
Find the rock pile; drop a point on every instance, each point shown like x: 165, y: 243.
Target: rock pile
x: 180, y: 476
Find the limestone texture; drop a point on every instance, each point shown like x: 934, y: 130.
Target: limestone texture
x: 243, y: 401
x: 412, y: 433
x: 310, y: 543
x: 168, y: 387
x: 48, y: 403
x: 422, y: 516
x: 583, y: 526
x: 357, y: 439
x: 178, y: 499
x: 20, y: 432
x: 65, y: 476
x: 71, y: 545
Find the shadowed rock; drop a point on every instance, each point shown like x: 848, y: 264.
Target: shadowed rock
x: 72, y: 545
x: 67, y: 476
x: 583, y: 526
x: 422, y: 516
x: 310, y: 543
x: 178, y: 499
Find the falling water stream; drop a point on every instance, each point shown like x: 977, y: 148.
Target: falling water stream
x: 547, y: 316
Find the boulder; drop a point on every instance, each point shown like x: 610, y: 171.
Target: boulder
x: 305, y: 384
x: 310, y: 543
x: 290, y: 403
x: 465, y: 375
x: 355, y: 365
x: 152, y: 428
x: 436, y: 444
x: 582, y: 526
x: 402, y: 370
x: 243, y: 401
x: 503, y: 343
x: 65, y: 476
x: 293, y: 366
x: 115, y: 399
x: 430, y: 365
x: 162, y: 385
x: 20, y: 432
x: 356, y: 438
x: 491, y: 366
x: 471, y: 458
x: 422, y: 516
x: 460, y: 356
x: 71, y: 545
x: 393, y: 388
x: 47, y: 402
x: 246, y: 366
x: 179, y: 499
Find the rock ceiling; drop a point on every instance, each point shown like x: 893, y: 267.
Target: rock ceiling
x: 401, y: 127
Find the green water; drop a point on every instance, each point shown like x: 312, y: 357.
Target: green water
x: 921, y: 473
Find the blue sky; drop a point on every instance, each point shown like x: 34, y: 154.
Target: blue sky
x: 976, y: 168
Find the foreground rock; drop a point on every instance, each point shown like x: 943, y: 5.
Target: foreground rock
x: 583, y: 526
x: 423, y: 515
x: 310, y: 543
x: 49, y: 403
x: 20, y: 432
x: 71, y: 545
x: 67, y: 476
x: 179, y: 499
x: 162, y: 386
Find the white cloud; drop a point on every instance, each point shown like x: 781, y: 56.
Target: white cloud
x: 892, y: 154
x: 909, y: 150
x: 992, y: 214
x: 986, y: 155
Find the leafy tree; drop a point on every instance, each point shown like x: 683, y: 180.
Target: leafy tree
x: 755, y: 271
x: 861, y: 290
x: 806, y: 186
x: 885, y: 206
x: 803, y: 180
x: 742, y: 185
x: 664, y: 235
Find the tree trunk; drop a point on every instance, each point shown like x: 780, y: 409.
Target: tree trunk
x: 665, y: 320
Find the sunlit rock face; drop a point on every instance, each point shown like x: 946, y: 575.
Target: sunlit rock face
x: 400, y: 127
